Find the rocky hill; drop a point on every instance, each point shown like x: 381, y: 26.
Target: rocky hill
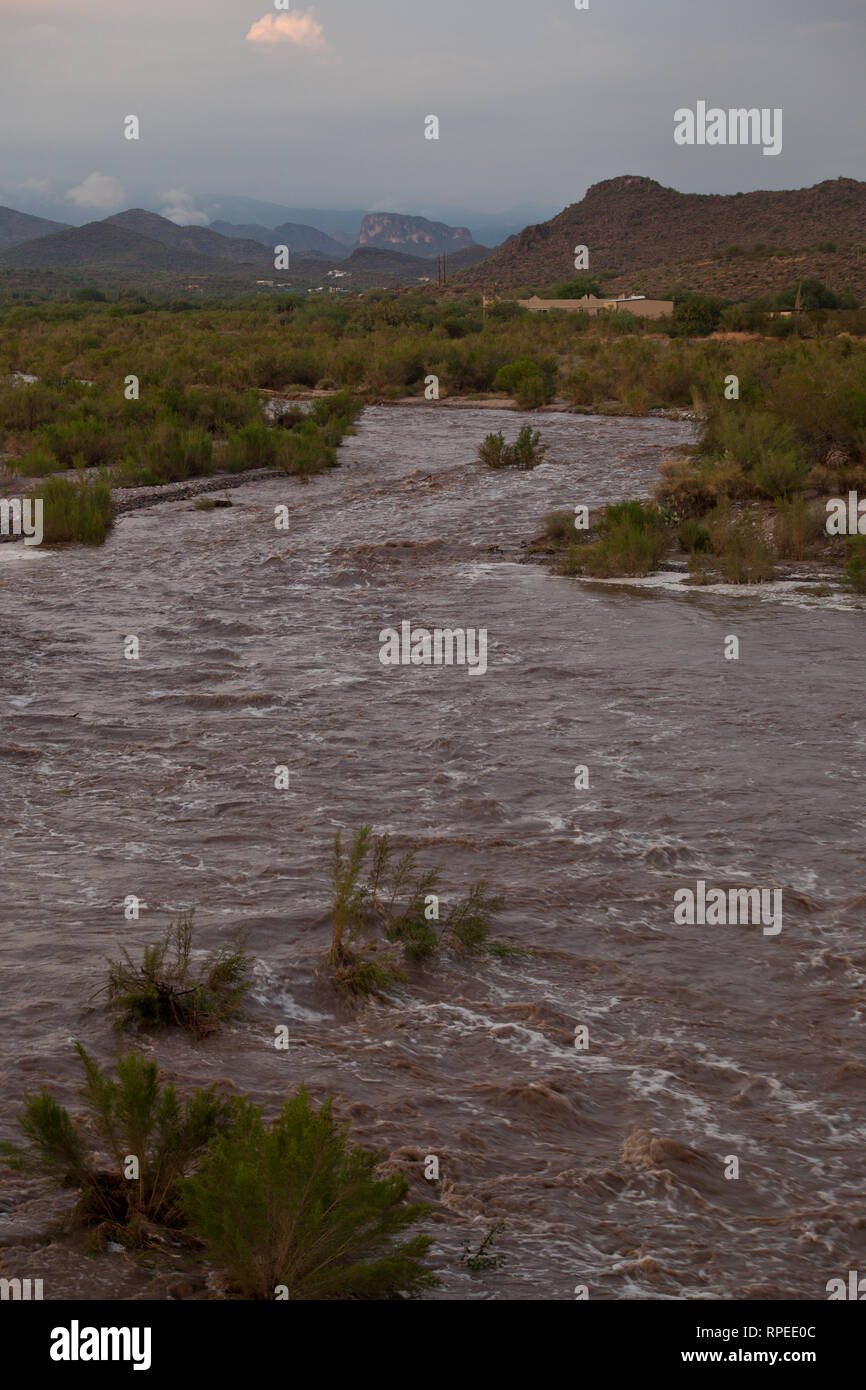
x: 300, y: 239
x: 201, y: 240
x: 633, y: 224
x: 16, y: 227
x: 395, y: 231
x: 104, y: 245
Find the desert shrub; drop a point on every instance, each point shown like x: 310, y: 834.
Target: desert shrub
x: 559, y: 526
x: 527, y: 451
x: 97, y: 443
x: 133, y: 1117
x: 251, y: 446
x: 797, y: 526
x: 696, y: 315
x: 636, y: 400
x: 855, y: 562
x: 742, y: 552
x: 293, y: 1210
x: 633, y: 538
x: 79, y: 510
x: 375, y: 891
x: 164, y: 989
x: 574, y: 289
x: 780, y: 472
x: 532, y: 381
x: 37, y: 462
x: 692, y: 536
x: 172, y: 454
x: 579, y: 388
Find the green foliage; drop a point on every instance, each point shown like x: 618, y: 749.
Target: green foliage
x: 76, y: 511
x: 165, y: 990
x: 741, y: 550
x: 813, y: 295
x: 376, y: 891
x: 696, y: 315
x: 526, y: 452
x: 575, y: 289
x: 692, y: 536
x: 798, y: 526
x: 559, y: 527
x: 855, y: 562
x: 294, y: 1207
x: 632, y: 539
x: 482, y: 1259
x: 532, y: 381
x: 134, y: 1116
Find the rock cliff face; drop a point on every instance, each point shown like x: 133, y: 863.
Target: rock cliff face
x: 632, y: 224
x: 392, y: 231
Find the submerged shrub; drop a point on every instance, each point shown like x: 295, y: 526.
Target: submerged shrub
x: 483, y: 1258
x: 165, y: 990
x: 293, y: 1211
x: 526, y: 452
x: 373, y: 890
x: 152, y: 1138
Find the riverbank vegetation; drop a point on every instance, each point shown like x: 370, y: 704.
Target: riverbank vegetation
x: 778, y: 437
x: 795, y: 427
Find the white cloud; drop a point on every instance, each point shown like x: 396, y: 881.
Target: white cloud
x: 179, y: 208
x: 33, y: 184
x: 100, y: 191
x: 298, y: 27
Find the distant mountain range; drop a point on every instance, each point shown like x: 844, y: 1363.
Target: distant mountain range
x: 144, y: 241
x: 16, y: 227
x: 635, y: 228
x: 642, y: 238
x: 299, y: 238
x: 104, y: 244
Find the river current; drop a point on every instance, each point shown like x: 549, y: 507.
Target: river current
x: 259, y: 648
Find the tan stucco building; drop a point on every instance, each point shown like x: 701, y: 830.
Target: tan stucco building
x: 638, y: 305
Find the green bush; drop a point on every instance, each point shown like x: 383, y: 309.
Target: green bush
x: 559, y: 527
x: 525, y: 453
x: 532, y: 381
x: 696, y: 315
x: 164, y: 989
x: 293, y: 1211
x: 375, y: 892
x: 133, y: 1117
x: 742, y: 551
x: 855, y: 562
x: 692, y: 536
x: 797, y: 526
x: 632, y: 541
x: 81, y: 510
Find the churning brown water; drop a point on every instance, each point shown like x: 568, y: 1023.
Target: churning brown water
x: 261, y: 647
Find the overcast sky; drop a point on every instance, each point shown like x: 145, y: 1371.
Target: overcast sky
x: 324, y: 104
